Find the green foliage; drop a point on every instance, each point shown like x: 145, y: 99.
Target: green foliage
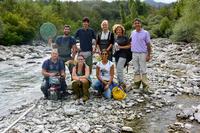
x: 165, y: 27
x: 187, y: 28
x: 122, y: 14
x: 1, y: 29
x: 20, y: 20
x: 16, y: 30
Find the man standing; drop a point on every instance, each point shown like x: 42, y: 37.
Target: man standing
x: 65, y: 44
x: 53, y: 68
x: 141, y: 49
x: 87, y: 37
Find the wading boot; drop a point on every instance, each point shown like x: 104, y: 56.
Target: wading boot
x: 137, y: 81
x: 145, y: 84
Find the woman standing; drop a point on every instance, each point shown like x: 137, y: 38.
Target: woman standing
x: 105, y: 74
x: 123, y: 53
x: 81, y: 82
x: 105, y: 39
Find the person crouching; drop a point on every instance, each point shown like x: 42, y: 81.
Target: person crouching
x: 81, y: 79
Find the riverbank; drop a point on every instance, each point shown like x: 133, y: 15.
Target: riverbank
x: 173, y: 72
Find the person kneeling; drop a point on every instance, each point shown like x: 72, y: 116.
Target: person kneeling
x: 53, y: 70
x: 81, y: 80
x: 105, y: 74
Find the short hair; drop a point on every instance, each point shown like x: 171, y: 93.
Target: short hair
x: 86, y: 19
x: 137, y: 19
x: 104, y: 21
x: 67, y: 26
x: 54, y: 50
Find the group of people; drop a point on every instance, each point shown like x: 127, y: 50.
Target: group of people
x: 137, y: 47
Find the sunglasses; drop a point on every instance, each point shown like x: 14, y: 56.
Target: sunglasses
x: 104, y: 54
x: 80, y: 59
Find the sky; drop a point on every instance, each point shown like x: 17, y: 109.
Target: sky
x: 164, y: 1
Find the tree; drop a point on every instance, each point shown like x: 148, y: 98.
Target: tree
x: 122, y: 13
x: 187, y: 28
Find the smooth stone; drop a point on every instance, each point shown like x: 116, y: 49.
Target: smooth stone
x: 127, y: 129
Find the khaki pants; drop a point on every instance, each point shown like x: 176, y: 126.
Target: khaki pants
x: 81, y: 90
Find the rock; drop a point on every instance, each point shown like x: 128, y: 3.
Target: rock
x: 70, y: 111
x: 85, y: 127
x: 127, y: 129
x: 197, y: 117
x: 188, y: 126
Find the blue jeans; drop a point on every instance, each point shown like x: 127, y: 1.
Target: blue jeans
x: 98, y: 85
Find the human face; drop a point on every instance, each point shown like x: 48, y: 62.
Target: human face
x: 66, y: 31
x: 85, y: 25
x: 119, y: 31
x: 54, y: 55
x: 104, y: 55
x: 80, y: 59
x: 137, y: 25
x: 105, y: 26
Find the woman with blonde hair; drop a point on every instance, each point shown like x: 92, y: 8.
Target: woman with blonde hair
x: 105, y: 39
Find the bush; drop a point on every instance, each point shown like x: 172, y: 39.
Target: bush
x: 187, y: 28
x: 16, y: 30
x: 165, y: 27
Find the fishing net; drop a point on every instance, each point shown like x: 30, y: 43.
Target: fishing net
x: 48, y: 30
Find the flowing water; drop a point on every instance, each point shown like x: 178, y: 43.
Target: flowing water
x: 19, y: 83
x: 158, y: 121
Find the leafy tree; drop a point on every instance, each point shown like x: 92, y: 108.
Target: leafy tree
x: 165, y: 27
x: 187, y: 28
x: 16, y: 30
x: 122, y: 14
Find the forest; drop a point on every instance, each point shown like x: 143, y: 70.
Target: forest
x: 20, y: 20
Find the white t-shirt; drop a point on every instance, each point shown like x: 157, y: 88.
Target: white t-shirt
x: 105, y: 70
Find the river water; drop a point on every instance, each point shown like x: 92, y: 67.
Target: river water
x: 19, y: 83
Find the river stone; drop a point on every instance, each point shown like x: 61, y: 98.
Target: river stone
x: 70, y: 111
x: 84, y: 127
x: 188, y: 126
x: 197, y: 116
x: 127, y: 129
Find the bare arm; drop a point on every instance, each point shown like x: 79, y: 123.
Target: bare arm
x: 125, y: 47
x: 47, y: 74
x: 74, y: 50
x: 74, y: 75
x: 111, y: 75
x: 149, y: 50
x: 109, y: 47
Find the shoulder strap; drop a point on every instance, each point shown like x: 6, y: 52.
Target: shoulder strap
x: 109, y: 36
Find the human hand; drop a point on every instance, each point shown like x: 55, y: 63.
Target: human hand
x: 106, y: 87
x: 52, y: 74
x: 148, y: 58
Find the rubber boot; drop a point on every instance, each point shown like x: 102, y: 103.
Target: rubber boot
x: 86, y: 94
x: 76, y: 89
x: 145, y: 84
x: 137, y: 81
